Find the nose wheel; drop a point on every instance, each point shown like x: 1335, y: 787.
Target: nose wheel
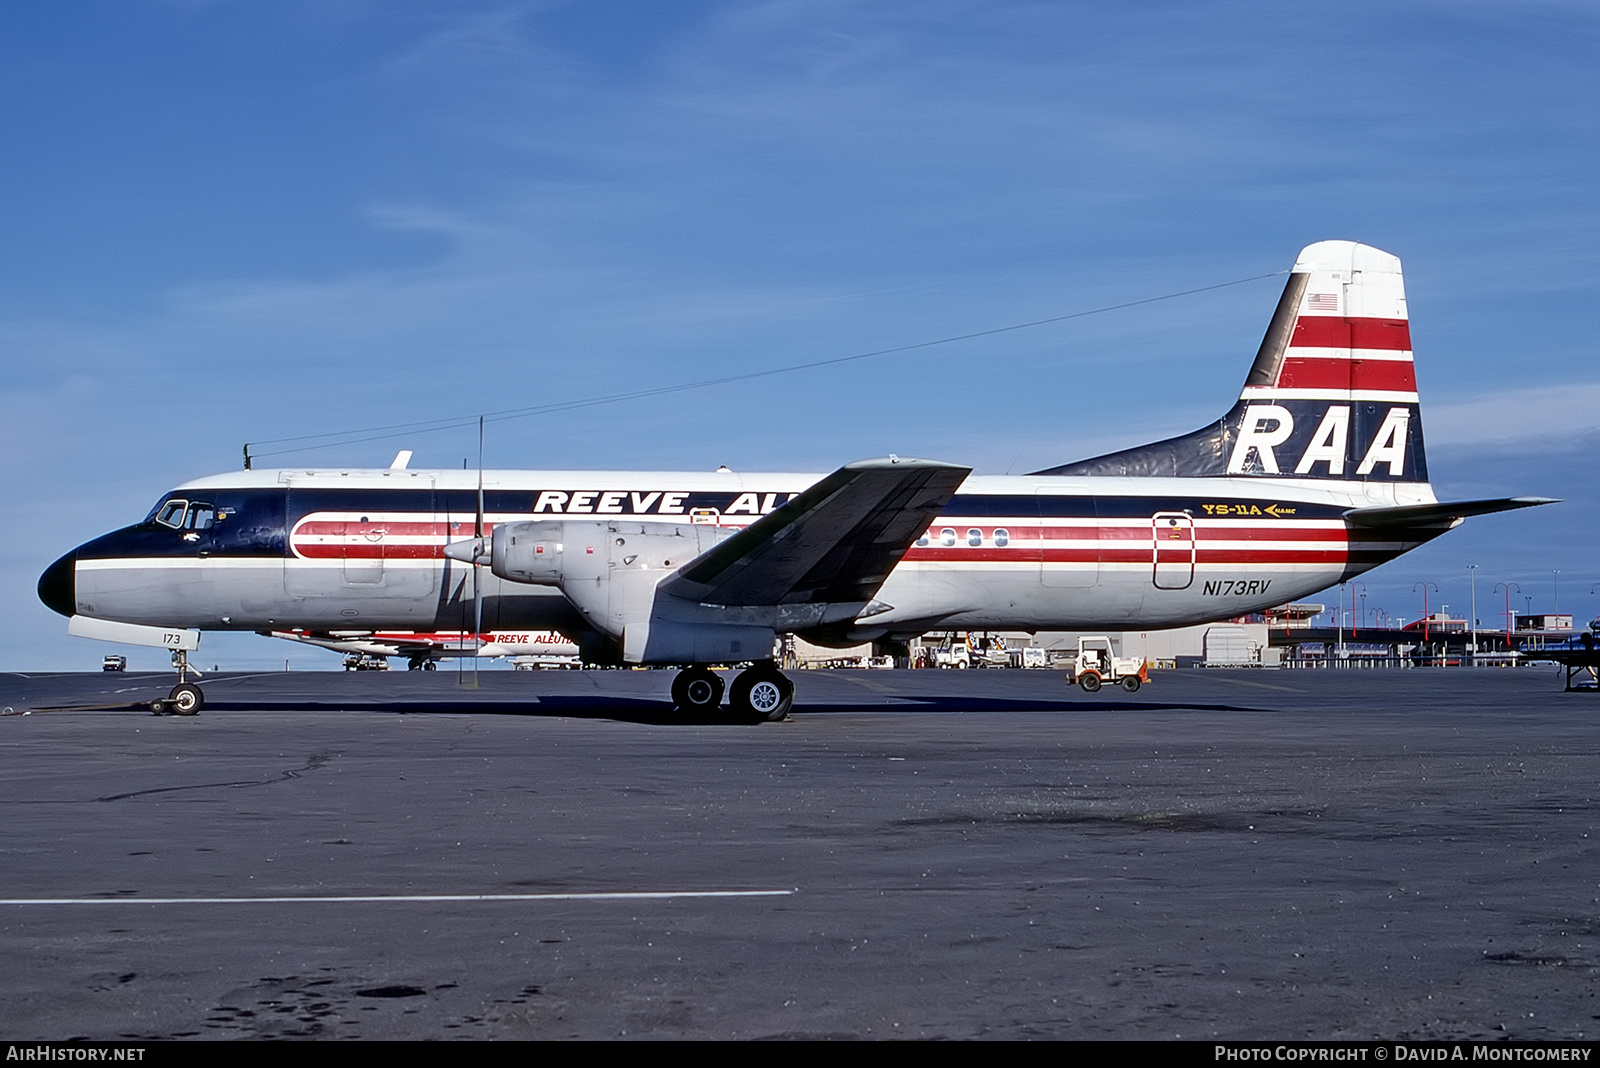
x: 185, y: 699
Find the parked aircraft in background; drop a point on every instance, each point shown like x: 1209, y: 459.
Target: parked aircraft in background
x: 422, y: 650
x: 1315, y: 475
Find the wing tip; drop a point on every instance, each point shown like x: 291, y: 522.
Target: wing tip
x: 876, y: 463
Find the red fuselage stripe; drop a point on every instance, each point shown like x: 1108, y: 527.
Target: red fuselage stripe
x: 1274, y: 539
x: 1091, y: 554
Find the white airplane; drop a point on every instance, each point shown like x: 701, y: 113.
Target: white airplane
x: 1317, y: 474
x: 422, y: 650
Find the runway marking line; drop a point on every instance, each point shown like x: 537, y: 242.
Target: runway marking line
x: 643, y: 895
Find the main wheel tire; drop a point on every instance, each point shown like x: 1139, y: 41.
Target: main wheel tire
x: 1089, y: 681
x: 697, y: 691
x: 1130, y: 683
x: 761, y: 695
x: 185, y: 699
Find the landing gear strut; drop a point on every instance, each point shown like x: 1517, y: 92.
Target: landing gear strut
x: 185, y: 698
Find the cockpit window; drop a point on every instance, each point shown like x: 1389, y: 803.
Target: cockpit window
x: 185, y: 515
x: 170, y: 514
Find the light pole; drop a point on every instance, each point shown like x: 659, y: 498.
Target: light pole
x: 1425, y: 615
x: 1555, y: 581
x: 1354, y: 629
x: 1472, y: 570
x: 1338, y: 621
x: 1508, y: 587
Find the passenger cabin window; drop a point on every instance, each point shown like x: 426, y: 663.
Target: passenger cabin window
x: 947, y: 537
x: 974, y: 537
x: 1002, y: 537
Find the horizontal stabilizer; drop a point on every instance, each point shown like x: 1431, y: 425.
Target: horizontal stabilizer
x: 1424, y: 515
x: 834, y: 543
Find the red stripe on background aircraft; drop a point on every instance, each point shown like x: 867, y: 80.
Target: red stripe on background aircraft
x: 1316, y: 474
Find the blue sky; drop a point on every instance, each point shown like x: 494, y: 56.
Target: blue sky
x: 228, y: 222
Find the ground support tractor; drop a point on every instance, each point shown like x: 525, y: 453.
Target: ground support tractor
x: 1097, y: 665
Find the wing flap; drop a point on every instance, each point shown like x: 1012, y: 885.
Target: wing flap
x: 834, y: 543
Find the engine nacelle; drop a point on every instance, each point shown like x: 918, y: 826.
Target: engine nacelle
x: 563, y: 552
x: 609, y: 570
x: 529, y: 552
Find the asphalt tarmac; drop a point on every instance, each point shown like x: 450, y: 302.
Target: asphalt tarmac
x: 936, y: 854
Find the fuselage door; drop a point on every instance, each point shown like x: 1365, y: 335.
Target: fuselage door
x: 353, y: 541
x: 362, y: 542
x: 1173, y: 551
x: 1069, y: 539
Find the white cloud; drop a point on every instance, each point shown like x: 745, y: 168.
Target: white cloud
x: 1543, y: 417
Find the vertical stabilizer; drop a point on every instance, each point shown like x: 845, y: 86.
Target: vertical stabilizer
x: 1332, y: 393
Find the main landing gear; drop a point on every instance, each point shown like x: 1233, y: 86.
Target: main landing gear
x: 760, y: 694
x: 185, y: 698
x: 697, y: 691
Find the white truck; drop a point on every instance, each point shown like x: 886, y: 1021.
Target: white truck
x: 1097, y: 665
x: 971, y: 651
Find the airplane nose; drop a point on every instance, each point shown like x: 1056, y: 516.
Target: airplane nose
x: 58, y: 587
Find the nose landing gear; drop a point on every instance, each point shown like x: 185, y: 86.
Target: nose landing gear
x: 186, y: 699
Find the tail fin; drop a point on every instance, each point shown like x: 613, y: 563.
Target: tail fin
x: 1332, y: 393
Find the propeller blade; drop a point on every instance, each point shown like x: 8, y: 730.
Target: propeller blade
x: 477, y: 575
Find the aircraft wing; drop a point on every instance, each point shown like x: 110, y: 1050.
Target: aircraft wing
x: 1427, y: 515
x: 834, y: 543
x: 343, y: 643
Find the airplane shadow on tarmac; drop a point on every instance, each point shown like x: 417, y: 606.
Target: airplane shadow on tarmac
x: 659, y: 713
x: 652, y: 711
